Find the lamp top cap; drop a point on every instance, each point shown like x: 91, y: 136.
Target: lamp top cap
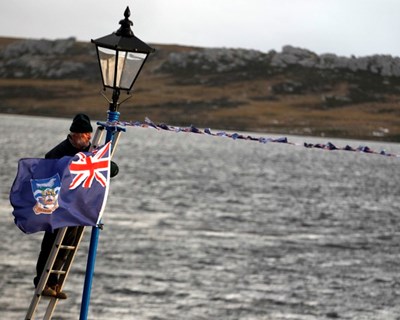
x: 125, y: 29
x: 124, y: 39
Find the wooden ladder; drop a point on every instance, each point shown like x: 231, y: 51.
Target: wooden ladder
x: 48, y: 269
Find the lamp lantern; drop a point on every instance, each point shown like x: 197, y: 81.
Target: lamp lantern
x: 121, y: 56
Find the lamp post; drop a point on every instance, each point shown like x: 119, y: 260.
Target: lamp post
x: 121, y: 56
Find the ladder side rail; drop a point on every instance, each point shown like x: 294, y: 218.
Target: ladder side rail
x: 45, y: 274
x: 68, y: 263
x: 97, y: 137
x: 52, y: 258
x: 50, y: 308
x: 115, y: 142
x: 66, y: 268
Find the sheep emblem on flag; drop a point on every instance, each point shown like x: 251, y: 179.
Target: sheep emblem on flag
x: 90, y: 168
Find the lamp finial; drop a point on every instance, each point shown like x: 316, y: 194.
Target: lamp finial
x: 125, y: 29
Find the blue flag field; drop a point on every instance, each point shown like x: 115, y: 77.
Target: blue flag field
x: 48, y: 194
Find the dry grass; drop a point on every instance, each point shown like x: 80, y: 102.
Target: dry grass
x: 165, y: 102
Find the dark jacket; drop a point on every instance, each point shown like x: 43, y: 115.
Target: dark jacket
x: 64, y: 148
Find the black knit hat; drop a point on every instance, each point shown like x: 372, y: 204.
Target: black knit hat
x: 81, y: 124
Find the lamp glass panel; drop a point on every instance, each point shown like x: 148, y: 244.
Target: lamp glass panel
x: 107, y: 64
x: 129, y: 65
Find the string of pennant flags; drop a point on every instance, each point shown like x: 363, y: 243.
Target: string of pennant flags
x: 237, y: 136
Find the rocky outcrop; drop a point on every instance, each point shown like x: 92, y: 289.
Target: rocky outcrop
x: 41, y: 47
x: 225, y: 60
x: 58, y: 59
x: 214, y: 60
x: 384, y: 65
x: 39, y: 59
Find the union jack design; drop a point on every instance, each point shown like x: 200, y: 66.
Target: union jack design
x: 89, y: 168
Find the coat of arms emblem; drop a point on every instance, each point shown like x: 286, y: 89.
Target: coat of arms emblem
x: 45, y: 192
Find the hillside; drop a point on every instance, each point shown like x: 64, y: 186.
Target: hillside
x: 293, y: 91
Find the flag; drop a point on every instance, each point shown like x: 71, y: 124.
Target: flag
x: 48, y: 194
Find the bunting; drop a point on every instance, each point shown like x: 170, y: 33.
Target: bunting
x: 237, y: 136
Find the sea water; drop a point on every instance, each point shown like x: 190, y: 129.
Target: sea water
x: 202, y: 227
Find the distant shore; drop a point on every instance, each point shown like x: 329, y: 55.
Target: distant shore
x: 291, y: 92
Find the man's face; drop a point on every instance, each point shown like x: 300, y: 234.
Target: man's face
x: 81, y: 140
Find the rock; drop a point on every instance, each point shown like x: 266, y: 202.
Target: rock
x: 39, y: 59
x: 384, y: 65
x: 291, y: 55
x: 332, y: 315
x: 36, y: 47
x: 213, y: 59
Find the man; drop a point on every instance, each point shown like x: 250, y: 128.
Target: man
x: 78, y: 140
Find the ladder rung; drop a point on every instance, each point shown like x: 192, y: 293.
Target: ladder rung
x: 57, y: 271
x: 67, y: 247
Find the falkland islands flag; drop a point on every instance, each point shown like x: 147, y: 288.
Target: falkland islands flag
x: 48, y: 194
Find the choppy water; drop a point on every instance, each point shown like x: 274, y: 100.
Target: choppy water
x: 198, y: 227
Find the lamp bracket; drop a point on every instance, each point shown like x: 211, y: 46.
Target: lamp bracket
x: 119, y: 103
x: 129, y: 96
x: 105, y: 97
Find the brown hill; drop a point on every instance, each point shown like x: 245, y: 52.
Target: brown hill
x: 292, y: 92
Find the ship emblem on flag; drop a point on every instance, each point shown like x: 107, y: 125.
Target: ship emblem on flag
x: 48, y: 194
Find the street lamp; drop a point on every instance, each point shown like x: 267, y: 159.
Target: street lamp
x: 121, y: 57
